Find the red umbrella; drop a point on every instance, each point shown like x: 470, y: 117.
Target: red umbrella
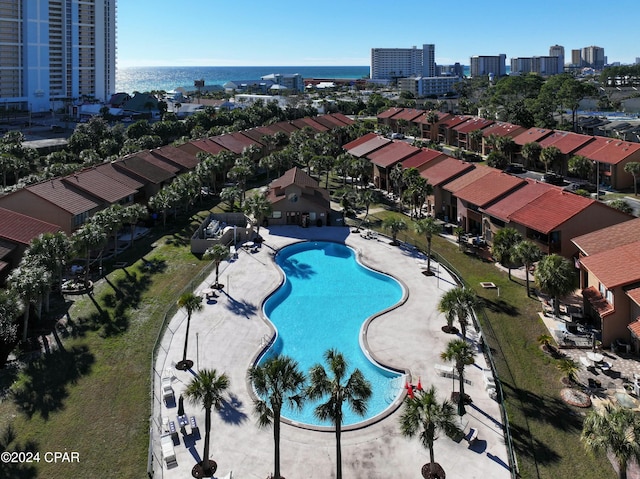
x: 407, y: 386
x: 419, y: 387
x: 410, y: 391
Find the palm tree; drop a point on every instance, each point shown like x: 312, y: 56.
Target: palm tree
x: 395, y: 225
x: 549, y: 155
x: 633, y: 168
x: 258, y: 206
x: 428, y: 227
x: 276, y: 381
x: 555, y: 276
x: 354, y: 390
x: 132, y: 214
x: 462, y: 353
x: 545, y: 340
x: 502, y: 249
x: 425, y: 416
x: 85, y: 239
x: 569, y: 367
x: 216, y: 253
x: 30, y: 282
x: 527, y: 253
x: 53, y: 251
x: 616, y: 430
x: 207, y: 388
x: 191, y: 303
x: 10, y: 308
x: 580, y: 166
x: 531, y: 153
x: 458, y: 302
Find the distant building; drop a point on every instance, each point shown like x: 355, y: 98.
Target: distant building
x: 427, y: 86
x: 55, y: 50
x: 544, y: 66
x: 593, y: 57
x: 576, y: 58
x: 558, y: 52
x: 271, y: 83
x: 291, y: 81
x: 455, y: 70
x: 484, y: 65
x: 393, y: 63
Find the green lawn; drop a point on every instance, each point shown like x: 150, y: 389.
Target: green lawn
x: 94, y: 396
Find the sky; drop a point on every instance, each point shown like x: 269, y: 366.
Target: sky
x: 332, y: 32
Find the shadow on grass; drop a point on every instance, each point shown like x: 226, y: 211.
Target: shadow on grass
x: 501, y: 306
x: 41, y: 386
x: 17, y: 469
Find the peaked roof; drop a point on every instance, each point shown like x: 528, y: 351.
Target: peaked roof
x: 107, y: 169
x: 550, y: 210
x: 294, y: 176
x: 489, y: 187
x: 503, y: 129
x: 441, y: 116
x: 19, y: 228
x: 392, y: 153
x: 604, y: 239
x: 473, y: 124
x: 389, y: 113
x: 235, y: 142
x: 615, y: 266
x: 204, y: 144
x: 367, y: 147
x: 142, y: 168
x: 93, y: 182
x: 159, y: 161
x: 503, y: 208
x: 609, y: 150
x: 472, y: 175
x: 359, y: 141
x: 408, y: 114
x: 532, y: 135
x: 64, y: 196
x: 423, y: 156
x: 300, y: 123
x: 438, y: 172
x: 342, y: 118
x: 452, y: 121
x: 176, y: 156
x: 566, y: 141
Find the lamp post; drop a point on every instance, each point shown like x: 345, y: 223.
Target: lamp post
x: 597, y: 179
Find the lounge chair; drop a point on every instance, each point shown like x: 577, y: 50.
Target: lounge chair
x: 168, y: 451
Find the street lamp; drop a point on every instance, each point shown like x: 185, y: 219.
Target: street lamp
x: 597, y: 163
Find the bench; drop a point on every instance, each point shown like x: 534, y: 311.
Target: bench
x: 172, y: 429
x: 193, y: 424
x: 473, y: 436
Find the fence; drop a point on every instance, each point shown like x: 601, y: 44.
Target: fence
x: 155, y: 455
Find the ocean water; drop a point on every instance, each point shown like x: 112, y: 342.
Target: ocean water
x: 144, y: 79
x: 326, y: 298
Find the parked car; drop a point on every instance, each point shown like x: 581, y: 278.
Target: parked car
x: 397, y: 136
x: 553, y: 179
x: 515, y: 168
x: 590, y: 187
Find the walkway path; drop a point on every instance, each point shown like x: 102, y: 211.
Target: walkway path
x: 227, y: 335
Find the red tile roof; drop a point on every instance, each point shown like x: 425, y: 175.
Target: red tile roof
x: 473, y: 124
x: 441, y: 116
x: 550, y: 210
x: 392, y: 153
x: 532, y: 135
x: 615, y: 267
x: 19, y: 228
x: 566, y: 141
x: 635, y: 328
x: 609, y: 150
x: 452, y: 121
x: 489, y: 188
x: 286, y: 126
x: 611, y: 237
x: 365, y: 148
x: 310, y: 122
x: 409, y: 114
x: 599, y: 304
x: 141, y: 168
x: 235, y: 142
x: 177, y: 157
x: 107, y: 169
x: 342, y: 118
x: 425, y: 155
x: 205, y: 145
x: 158, y: 161
x: 359, y: 141
x: 503, y: 129
x: 478, y: 172
x: 94, y: 183
x: 389, y: 113
x: 634, y: 294
x: 505, y: 207
x: 294, y: 176
x: 439, y: 172
x: 64, y: 196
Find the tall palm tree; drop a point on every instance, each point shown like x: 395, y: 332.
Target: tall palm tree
x: 502, y: 249
x: 207, y: 388
x: 354, y: 390
x: 216, y: 253
x: 132, y: 214
x: 85, y: 239
x: 549, y: 155
x: 555, y: 276
x: 30, y: 282
x: 277, y: 381
x: 258, y: 206
x: 462, y: 354
x: 527, y: 253
x: 531, y: 153
x: 426, y: 417
x: 10, y: 308
x: 191, y: 303
x: 428, y: 227
x: 616, y: 430
x: 633, y: 168
x: 53, y: 251
x: 458, y: 302
x: 395, y: 225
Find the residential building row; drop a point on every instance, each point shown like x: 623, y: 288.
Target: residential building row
x: 66, y: 203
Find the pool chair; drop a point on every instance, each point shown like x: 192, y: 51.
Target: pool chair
x: 168, y: 451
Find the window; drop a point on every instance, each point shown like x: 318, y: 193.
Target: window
x: 276, y: 215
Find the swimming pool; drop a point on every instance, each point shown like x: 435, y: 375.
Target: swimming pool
x: 324, y: 301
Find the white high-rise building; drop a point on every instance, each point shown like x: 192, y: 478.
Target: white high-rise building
x: 55, y: 51
x: 393, y: 63
x: 494, y: 65
x: 593, y: 57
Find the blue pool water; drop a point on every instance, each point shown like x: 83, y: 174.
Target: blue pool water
x: 325, y: 299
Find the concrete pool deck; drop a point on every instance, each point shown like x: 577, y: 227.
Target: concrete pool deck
x: 228, y: 334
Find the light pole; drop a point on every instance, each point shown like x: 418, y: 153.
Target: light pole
x: 597, y: 179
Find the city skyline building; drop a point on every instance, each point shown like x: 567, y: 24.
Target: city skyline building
x: 56, y: 51
x: 394, y: 63
x: 593, y: 57
x: 488, y: 65
x: 558, y: 51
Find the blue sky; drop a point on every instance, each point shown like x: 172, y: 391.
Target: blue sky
x: 331, y: 32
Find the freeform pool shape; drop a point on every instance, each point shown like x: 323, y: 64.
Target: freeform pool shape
x: 323, y: 303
